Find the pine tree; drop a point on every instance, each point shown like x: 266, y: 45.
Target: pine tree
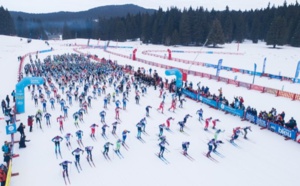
x: 66, y: 33
x: 296, y: 36
x: 217, y: 36
x: 277, y: 32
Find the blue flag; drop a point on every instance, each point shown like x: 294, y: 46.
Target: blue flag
x: 219, y: 67
x: 297, y: 72
x: 264, y: 65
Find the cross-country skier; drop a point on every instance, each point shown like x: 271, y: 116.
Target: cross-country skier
x: 60, y: 120
x: 103, y: 130
x: 236, y: 133
x: 57, y: 140
x: 65, y: 172
x: 102, y: 115
x: 186, y: 117
x: 200, y: 114
x: 76, y: 116
x: 216, y: 135
x: 173, y: 105
x: 47, y: 116
x: 124, y: 136
x: 185, y: 146
x: 106, y: 148
x: 181, y: 102
x: 214, y: 122
x: 88, y: 150
x: 147, y: 110
x: 207, y: 120
x: 114, y: 124
x: 124, y: 101
x: 76, y: 153
x: 181, y: 124
x: 246, y: 131
x: 93, y: 129
x: 139, y: 130
x: 168, y: 122
x: 161, y: 107
x: 117, y: 110
x: 216, y: 143
x: 210, y: 147
x: 143, y: 122
x: 162, y: 146
x: 67, y: 137
x: 161, y: 129
x: 79, y: 135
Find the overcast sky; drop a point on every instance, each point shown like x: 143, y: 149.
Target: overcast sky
x: 46, y: 6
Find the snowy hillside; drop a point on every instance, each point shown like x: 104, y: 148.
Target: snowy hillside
x: 265, y: 159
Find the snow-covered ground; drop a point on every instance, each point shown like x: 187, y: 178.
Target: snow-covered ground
x: 265, y: 160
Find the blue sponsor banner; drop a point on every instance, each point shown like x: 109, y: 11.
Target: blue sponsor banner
x: 283, y: 131
x: 261, y: 122
x: 178, y: 51
x: 207, y: 101
x: 231, y: 110
x: 189, y: 94
x: 44, y: 51
x: 210, y: 52
x: 275, y: 77
x: 201, y: 98
x: 258, y: 73
x: 226, y: 68
x: 251, y: 118
x: 11, y: 129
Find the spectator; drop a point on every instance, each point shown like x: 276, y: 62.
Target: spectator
x: 3, y: 106
x: 7, y: 100
x: 22, y: 142
x: 7, y: 119
x: 21, y: 129
x: 3, y: 173
x: 30, y: 123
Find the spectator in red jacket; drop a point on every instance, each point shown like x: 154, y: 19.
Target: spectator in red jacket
x: 30, y: 123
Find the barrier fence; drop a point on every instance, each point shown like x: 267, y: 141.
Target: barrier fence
x: 209, y: 65
x: 288, y: 133
x: 279, y: 93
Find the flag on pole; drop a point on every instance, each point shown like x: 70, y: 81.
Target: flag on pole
x: 219, y: 67
x: 297, y: 72
x: 264, y: 65
x: 254, y: 72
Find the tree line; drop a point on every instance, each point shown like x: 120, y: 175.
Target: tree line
x: 274, y: 25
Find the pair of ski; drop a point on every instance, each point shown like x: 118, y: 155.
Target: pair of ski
x: 211, y: 158
x: 91, y: 162
x: 141, y: 139
x: 183, y: 132
x: 219, y: 154
x: 163, y: 159
x: 234, y: 144
x: 115, y: 135
x: 144, y: 132
x: 126, y: 147
x: 66, y: 180
x: 106, y: 156
x: 169, y: 130
x: 188, y: 156
x: 104, y: 136
x: 80, y: 143
x: 93, y: 137
x: 119, y: 154
x: 78, y: 166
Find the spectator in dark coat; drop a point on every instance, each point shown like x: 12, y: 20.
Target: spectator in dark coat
x: 7, y: 100
x: 21, y: 129
x: 22, y: 142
